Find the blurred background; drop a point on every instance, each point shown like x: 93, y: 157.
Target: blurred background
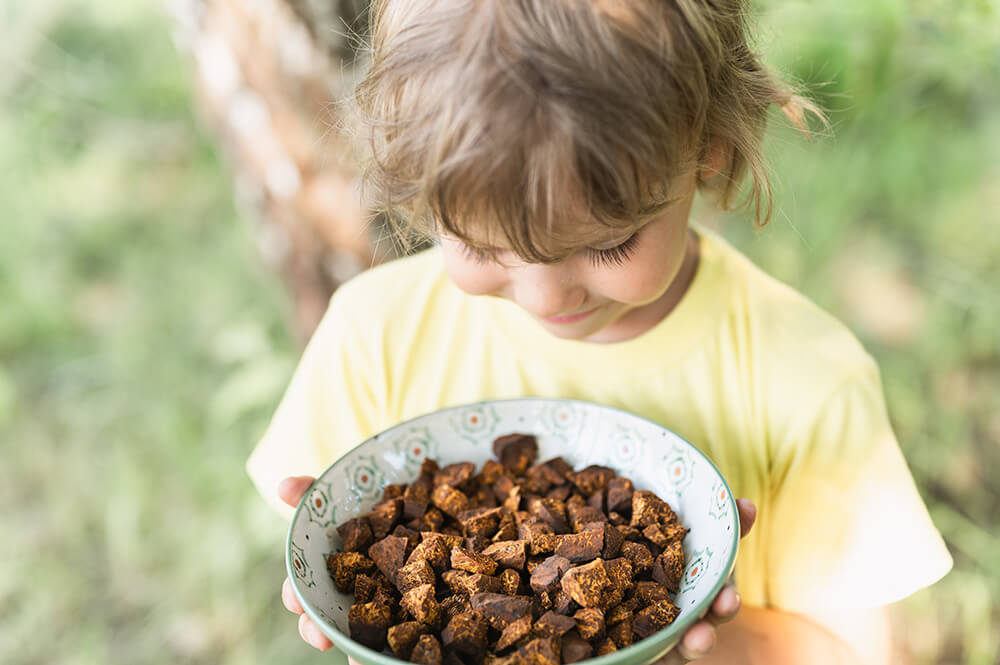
x: 175, y: 207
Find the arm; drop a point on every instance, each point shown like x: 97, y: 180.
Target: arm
x: 765, y: 636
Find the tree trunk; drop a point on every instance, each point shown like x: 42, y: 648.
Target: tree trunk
x: 269, y: 74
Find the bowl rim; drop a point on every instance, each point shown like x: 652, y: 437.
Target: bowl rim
x: 662, y: 639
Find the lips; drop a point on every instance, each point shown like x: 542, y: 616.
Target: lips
x: 571, y: 318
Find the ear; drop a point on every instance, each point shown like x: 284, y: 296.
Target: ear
x: 715, y: 161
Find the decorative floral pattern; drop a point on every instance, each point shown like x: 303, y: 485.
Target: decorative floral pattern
x: 720, y: 501
x: 680, y: 468
x: 416, y: 446
x: 318, y: 503
x: 475, y: 423
x: 364, y: 477
x: 300, y: 567
x: 696, y: 568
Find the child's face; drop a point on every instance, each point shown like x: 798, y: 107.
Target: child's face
x: 608, y: 291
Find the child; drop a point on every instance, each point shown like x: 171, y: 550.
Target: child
x: 553, y: 148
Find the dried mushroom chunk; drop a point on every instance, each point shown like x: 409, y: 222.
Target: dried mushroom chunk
x: 369, y: 623
x: 586, y: 583
x: 427, y: 651
x: 345, y: 566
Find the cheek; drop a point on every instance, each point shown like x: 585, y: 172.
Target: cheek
x: 474, y: 278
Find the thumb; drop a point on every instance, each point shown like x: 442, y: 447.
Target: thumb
x: 292, y: 489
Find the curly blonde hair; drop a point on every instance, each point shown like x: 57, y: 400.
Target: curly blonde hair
x: 526, y: 113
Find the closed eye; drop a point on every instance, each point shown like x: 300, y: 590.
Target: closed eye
x: 614, y: 256
x: 478, y: 254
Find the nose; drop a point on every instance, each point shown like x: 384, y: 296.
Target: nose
x: 547, y: 290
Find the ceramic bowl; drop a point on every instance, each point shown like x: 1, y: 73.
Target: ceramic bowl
x: 653, y: 457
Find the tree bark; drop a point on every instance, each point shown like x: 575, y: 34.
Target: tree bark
x: 270, y: 78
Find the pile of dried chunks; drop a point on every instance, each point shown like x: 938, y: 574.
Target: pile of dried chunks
x: 518, y: 564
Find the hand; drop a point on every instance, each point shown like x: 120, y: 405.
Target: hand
x: 696, y: 643
x: 291, y: 490
x: 699, y: 640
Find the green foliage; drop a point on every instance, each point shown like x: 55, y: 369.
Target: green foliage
x: 143, y: 345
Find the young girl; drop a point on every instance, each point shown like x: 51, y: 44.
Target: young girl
x: 553, y: 148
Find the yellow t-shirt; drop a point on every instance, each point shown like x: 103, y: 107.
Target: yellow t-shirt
x: 777, y: 393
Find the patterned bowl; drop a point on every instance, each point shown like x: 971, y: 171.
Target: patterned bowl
x: 652, y: 456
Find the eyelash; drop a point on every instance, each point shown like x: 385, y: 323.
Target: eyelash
x: 614, y: 256
x: 611, y: 257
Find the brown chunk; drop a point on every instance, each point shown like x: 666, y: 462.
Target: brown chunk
x: 621, y: 633
x: 516, y: 452
x: 560, y: 493
x: 621, y: 573
x: 412, y: 536
x: 392, y: 491
x: 596, y: 500
x: 629, y: 532
x: 470, y: 561
x: 580, y: 547
x: 364, y: 588
x: 345, y: 566
x: 503, y: 486
x: 450, y: 500
x: 455, y: 604
x: 403, y: 636
x: 514, y: 632
x: 508, y: 553
x: 449, y: 539
x: 591, y: 479
x: 421, y: 604
x: 507, y: 530
x: 617, y: 615
x: 604, y: 647
x: 546, y: 576
x: 355, y: 535
x: 432, y: 550
x: 369, y: 623
x: 541, y: 539
x: 500, y: 610
x: 562, y: 603
x: 581, y: 515
x: 384, y: 516
x: 540, y: 651
x: 647, y: 508
x: 414, y: 574
x: 613, y: 540
x: 455, y: 474
x: 551, y: 512
x: 586, y: 583
x: 491, y: 472
x: 575, y: 649
x: 616, y: 518
x: 590, y: 623
x: 510, y: 581
x: 669, y: 566
x: 639, y: 555
x: 466, y: 634
x: 664, y: 534
x: 427, y: 651
x: 461, y: 581
x: 389, y: 554
x: 480, y: 521
x: 650, y: 592
x: 416, y: 500
x: 611, y: 599
x: 620, y: 495
x: 552, y: 624
x: 658, y: 615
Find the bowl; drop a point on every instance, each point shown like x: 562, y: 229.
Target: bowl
x: 652, y: 456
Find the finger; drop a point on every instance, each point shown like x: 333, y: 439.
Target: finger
x: 313, y: 635
x: 725, y: 606
x: 697, y: 642
x: 292, y: 489
x: 748, y: 515
x: 288, y: 598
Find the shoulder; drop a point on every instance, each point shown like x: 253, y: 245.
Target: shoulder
x: 391, y: 285
x: 793, y: 356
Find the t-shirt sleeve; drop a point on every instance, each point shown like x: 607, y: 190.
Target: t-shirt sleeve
x: 328, y: 408
x: 848, y: 527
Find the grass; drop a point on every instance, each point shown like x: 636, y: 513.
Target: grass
x: 143, y: 345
